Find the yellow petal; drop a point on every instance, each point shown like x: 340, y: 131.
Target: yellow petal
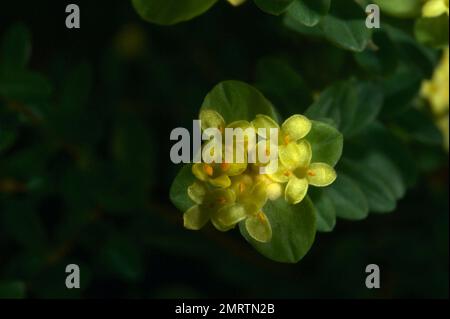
x: 222, y: 181
x: 211, y: 119
x: 230, y: 215
x: 199, y: 172
x: 220, y: 197
x: 195, y: 218
x: 264, y: 121
x: 295, y: 155
x: 321, y: 174
x: 236, y: 2
x: 264, y: 153
x: 296, y: 127
x: 196, y: 192
x: 296, y: 190
x: 281, y: 175
x: 258, y: 195
x: 434, y: 8
x: 258, y: 227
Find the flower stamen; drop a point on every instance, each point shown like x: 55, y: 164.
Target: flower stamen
x: 208, y: 170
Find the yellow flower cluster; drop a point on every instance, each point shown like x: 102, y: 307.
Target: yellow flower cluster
x: 437, y: 93
x: 236, y: 2
x: 229, y: 193
x: 435, y: 8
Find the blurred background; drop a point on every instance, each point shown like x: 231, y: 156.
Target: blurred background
x: 85, y: 169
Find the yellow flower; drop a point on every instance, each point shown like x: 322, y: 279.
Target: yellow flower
x: 436, y: 89
x: 236, y: 2
x: 218, y: 174
x: 207, y: 205
x: 292, y: 130
x: 225, y: 208
x: 298, y: 172
x: 434, y: 8
x: 251, y: 197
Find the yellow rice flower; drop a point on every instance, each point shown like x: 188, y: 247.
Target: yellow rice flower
x: 208, y: 202
x: 251, y: 196
x: 436, y: 92
x: 435, y: 8
x: 298, y: 172
x: 236, y: 2
x: 217, y: 174
x: 292, y: 130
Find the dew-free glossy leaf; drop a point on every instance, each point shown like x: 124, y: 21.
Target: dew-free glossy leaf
x: 380, y: 197
x: 369, y: 103
x: 348, y: 199
x: 339, y: 103
x: 275, y: 7
x: 351, y: 35
x: 325, y: 210
x: 308, y: 12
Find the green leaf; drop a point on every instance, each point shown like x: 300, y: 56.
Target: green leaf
x: 339, y: 103
x: 122, y: 257
x: 326, y: 143
x: 178, y: 190
x: 283, y: 85
x: 384, y: 141
x: 370, y: 101
x: 420, y: 126
x: 24, y: 86
x: 308, y: 12
x: 400, y: 8
x: 167, y: 12
x: 293, y: 230
x: 275, y: 7
x: 348, y: 199
x: 295, y: 25
x: 399, y: 90
x: 432, y: 31
x: 236, y: 100
x: 344, y: 26
x: 380, y: 197
x: 411, y: 53
x: 351, y: 35
x: 381, y: 60
x: 15, y: 49
x: 325, y: 210
x: 12, y: 290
